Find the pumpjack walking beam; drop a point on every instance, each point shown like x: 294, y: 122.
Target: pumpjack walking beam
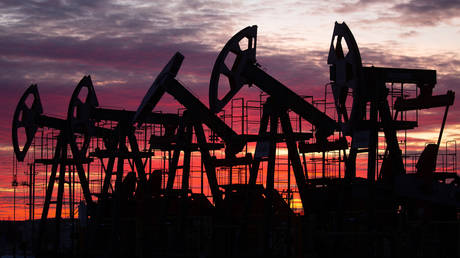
x: 198, y: 114
x: 246, y: 71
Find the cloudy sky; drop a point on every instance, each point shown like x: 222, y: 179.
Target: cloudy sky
x: 124, y: 44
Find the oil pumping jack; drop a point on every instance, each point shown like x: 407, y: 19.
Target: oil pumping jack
x: 246, y: 71
x: 30, y: 118
x: 371, y: 113
x: 368, y: 89
x: 195, y: 115
x: 120, y: 201
x: 242, y: 69
x: 84, y: 113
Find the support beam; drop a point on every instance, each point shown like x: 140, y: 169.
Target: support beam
x: 294, y: 158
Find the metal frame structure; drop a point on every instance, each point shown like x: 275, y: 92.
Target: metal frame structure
x: 158, y: 213
x: 30, y: 118
x: 195, y: 116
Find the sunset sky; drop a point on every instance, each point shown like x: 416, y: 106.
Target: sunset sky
x: 123, y: 45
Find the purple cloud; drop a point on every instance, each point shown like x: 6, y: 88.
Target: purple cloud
x: 426, y: 12
x: 410, y: 13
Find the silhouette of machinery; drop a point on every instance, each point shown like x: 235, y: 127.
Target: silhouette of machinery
x: 31, y: 118
x: 116, y: 202
x: 138, y: 214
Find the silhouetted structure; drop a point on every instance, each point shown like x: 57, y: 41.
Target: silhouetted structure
x: 148, y: 204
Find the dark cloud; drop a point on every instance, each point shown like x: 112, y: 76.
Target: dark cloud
x: 409, y: 13
x: 427, y: 12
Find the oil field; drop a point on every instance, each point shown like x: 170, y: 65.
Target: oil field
x: 285, y: 174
